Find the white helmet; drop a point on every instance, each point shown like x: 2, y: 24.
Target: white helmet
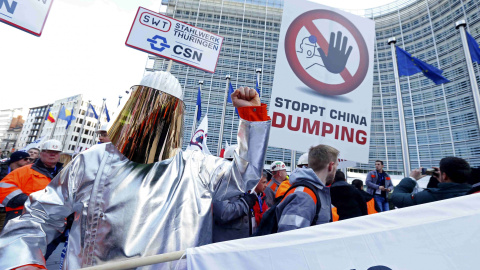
x: 303, y: 160
x: 277, y: 166
x: 102, y: 128
x: 52, y: 145
x: 229, y: 151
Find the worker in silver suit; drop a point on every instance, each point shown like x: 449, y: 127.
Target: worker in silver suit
x: 139, y: 195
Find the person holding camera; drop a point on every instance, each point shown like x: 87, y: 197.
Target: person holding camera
x: 452, y: 174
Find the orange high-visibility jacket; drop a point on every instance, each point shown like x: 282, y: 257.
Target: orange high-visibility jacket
x: 22, y: 180
x: 284, y: 186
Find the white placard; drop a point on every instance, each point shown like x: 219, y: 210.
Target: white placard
x: 322, y: 90
x: 441, y: 235
x: 27, y: 15
x: 161, y: 35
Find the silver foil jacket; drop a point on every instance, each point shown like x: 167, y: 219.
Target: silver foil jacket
x: 125, y: 209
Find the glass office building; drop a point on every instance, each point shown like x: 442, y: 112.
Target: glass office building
x: 440, y: 119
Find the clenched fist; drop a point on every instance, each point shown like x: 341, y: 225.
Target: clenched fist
x: 245, y: 96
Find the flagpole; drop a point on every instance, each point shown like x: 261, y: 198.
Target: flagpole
x: 194, y: 126
x: 460, y: 25
x: 83, y: 125
x: 119, y: 99
x: 401, y: 115
x: 66, y: 131
x: 258, y: 71
x: 220, y: 137
x: 99, y: 122
x: 56, y: 120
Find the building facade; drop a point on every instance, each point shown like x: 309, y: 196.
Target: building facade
x: 440, y: 119
x: 80, y: 135
x: 9, y: 141
x: 6, y: 117
x: 33, y: 125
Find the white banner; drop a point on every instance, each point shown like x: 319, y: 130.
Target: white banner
x: 161, y: 35
x: 442, y: 235
x: 27, y: 15
x: 322, y: 90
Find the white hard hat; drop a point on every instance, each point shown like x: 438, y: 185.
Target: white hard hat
x: 277, y: 166
x: 229, y: 151
x: 303, y: 159
x: 102, y: 128
x: 52, y: 145
x: 163, y: 81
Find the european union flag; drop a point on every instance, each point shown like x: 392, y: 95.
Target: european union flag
x: 93, y: 110
x: 409, y: 65
x: 70, y: 117
x: 230, y: 92
x: 473, y: 48
x: 199, y: 104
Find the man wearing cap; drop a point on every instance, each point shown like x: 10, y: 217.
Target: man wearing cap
x: 140, y: 195
x: 279, y: 174
x: 17, y: 159
x: 102, y: 134
x: 20, y: 183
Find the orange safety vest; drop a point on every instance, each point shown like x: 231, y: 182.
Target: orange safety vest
x: 284, y: 186
x: 22, y: 180
x: 371, y: 207
x: 335, y: 216
x: 306, y: 190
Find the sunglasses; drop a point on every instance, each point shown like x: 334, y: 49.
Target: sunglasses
x: 29, y: 159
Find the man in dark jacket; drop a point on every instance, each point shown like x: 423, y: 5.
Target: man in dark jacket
x: 17, y: 159
x: 372, y: 205
x: 348, y: 200
x: 452, y: 175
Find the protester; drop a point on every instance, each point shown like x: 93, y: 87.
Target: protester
x: 379, y: 184
x: 102, y: 134
x: 299, y: 206
x: 20, y: 183
x: 474, y: 181
x: 147, y: 199
x: 346, y: 198
x: 232, y: 217
x: 372, y: 206
x: 279, y: 174
x: 65, y: 159
x: 34, y: 153
x: 260, y: 205
x: 17, y: 159
x: 303, y: 161
x: 452, y: 175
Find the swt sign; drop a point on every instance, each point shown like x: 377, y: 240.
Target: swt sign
x: 322, y: 90
x: 27, y: 15
x: 166, y: 37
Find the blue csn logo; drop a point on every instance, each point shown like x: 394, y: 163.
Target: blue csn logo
x: 153, y: 42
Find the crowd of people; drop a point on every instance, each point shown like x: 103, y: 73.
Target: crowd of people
x: 189, y: 199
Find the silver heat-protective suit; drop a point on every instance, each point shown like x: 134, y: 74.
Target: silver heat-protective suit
x: 125, y: 209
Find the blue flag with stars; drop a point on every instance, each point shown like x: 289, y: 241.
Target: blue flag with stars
x: 230, y: 92
x: 409, y: 65
x: 199, y: 104
x: 473, y: 48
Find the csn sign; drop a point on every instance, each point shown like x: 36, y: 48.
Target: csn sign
x: 166, y: 37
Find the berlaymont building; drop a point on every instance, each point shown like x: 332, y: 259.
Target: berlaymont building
x: 440, y: 119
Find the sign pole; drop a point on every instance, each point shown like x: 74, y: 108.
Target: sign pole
x: 56, y: 120
x: 220, y: 136
x: 460, y: 25
x: 294, y: 161
x: 83, y: 125
x: 194, y: 126
x: 401, y: 115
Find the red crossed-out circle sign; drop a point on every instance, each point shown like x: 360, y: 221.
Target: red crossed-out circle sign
x: 306, y: 20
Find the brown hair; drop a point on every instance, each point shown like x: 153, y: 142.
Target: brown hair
x: 319, y: 156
